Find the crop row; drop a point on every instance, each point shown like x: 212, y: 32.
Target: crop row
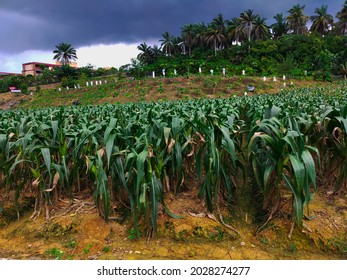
x: 137, y: 153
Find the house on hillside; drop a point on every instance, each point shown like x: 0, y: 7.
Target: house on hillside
x: 36, y: 68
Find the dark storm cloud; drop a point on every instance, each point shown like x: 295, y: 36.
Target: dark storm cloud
x: 41, y: 24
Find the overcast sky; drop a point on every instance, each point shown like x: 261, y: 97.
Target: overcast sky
x: 107, y: 32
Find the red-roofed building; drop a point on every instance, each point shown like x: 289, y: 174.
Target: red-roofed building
x: 36, y: 68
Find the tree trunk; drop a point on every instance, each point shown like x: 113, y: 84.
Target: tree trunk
x: 215, y: 47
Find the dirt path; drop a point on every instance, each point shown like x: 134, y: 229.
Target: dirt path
x: 77, y: 232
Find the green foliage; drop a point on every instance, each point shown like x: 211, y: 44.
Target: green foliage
x: 132, y: 234
x: 87, y: 249
x: 289, y: 54
x: 135, y: 154
x: 55, y: 253
x: 68, y: 82
x: 82, y: 79
x: 106, y: 249
x: 71, y: 243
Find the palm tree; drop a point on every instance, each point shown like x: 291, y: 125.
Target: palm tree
x: 247, y: 19
x: 146, y: 55
x: 64, y: 53
x: 280, y: 27
x: 215, y: 38
x: 219, y: 23
x: 156, y: 52
x: 297, y: 20
x: 178, y: 45
x: 167, y: 43
x: 261, y: 30
x: 341, y: 25
x: 200, y: 30
x: 235, y: 31
x: 188, y: 37
x: 322, y: 22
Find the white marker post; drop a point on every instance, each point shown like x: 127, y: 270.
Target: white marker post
x: 199, y: 70
x: 153, y: 74
x: 243, y: 72
x: 223, y: 71
x: 211, y: 71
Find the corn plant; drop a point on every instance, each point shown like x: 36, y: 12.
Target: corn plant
x: 279, y: 155
x: 333, y: 144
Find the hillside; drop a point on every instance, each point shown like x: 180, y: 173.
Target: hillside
x: 159, y: 89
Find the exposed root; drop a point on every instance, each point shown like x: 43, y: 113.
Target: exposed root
x: 212, y: 217
x: 150, y: 234
x: 75, y: 208
x: 291, y: 230
x: 37, y: 209
x: 36, y: 214
x: 272, y: 213
x: 226, y: 225
x: 307, y: 228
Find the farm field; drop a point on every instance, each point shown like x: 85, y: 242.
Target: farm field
x: 122, y: 90
x: 261, y: 176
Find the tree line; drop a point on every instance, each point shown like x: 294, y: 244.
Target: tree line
x: 248, y: 41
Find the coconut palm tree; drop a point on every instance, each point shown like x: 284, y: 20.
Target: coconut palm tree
x: 297, y: 20
x: 146, y: 55
x: 178, y: 45
x: 64, y: 53
x: 322, y: 22
x: 261, y: 30
x: 219, y: 23
x: 188, y: 37
x: 215, y: 38
x: 156, y: 52
x: 280, y: 27
x: 341, y: 25
x: 235, y: 31
x: 167, y: 43
x: 247, y: 19
x: 200, y: 30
